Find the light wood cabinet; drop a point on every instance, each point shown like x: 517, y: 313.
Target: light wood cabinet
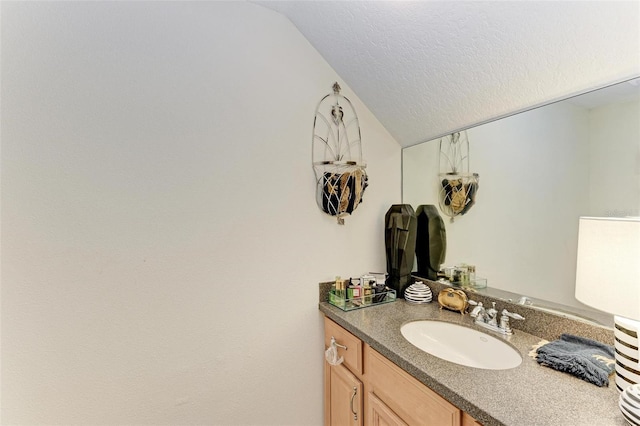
x: 350, y: 346
x: 343, y: 386
x: 345, y: 397
x: 467, y: 420
x: 393, y: 397
x: 408, y: 398
x: 378, y: 414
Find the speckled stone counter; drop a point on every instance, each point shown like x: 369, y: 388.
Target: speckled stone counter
x: 526, y: 395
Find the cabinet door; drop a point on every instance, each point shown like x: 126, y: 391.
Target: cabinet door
x: 378, y: 414
x: 343, y: 397
x: 412, y: 401
x: 467, y: 420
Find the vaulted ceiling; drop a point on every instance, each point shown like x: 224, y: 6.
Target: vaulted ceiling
x: 428, y: 68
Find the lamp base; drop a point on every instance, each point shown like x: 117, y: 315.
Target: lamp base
x: 627, y: 354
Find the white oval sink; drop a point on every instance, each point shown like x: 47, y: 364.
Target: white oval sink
x: 461, y: 345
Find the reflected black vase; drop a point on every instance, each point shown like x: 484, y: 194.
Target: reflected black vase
x: 431, y: 241
x: 401, y: 228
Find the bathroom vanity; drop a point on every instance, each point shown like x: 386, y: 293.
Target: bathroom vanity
x: 385, y: 395
x: 384, y: 379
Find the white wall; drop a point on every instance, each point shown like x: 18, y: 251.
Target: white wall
x: 161, y: 245
x: 614, y: 168
x: 522, y: 232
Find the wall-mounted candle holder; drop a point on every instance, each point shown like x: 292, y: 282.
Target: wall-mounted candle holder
x: 458, y: 186
x: 337, y: 156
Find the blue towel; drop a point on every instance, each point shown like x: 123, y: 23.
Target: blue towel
x: 584, y: 358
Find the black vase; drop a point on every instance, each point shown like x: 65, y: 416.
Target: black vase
x: 431, y: 241
x: 401, y: 228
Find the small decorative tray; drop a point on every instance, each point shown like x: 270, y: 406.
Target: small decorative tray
x: 361, y: 302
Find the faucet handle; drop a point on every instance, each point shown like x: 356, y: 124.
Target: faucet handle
x: 504, y: 321
x: 478, y: 308
x: 512, y: 315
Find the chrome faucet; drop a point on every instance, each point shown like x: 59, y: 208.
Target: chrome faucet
x: 524, y: 300
x: 487, y: 318
x: 491, y: 315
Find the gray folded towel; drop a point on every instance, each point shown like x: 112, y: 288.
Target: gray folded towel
x: 584, y: 358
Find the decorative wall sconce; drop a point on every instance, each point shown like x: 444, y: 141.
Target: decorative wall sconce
x: 337, y: 156
x: 458, y: 185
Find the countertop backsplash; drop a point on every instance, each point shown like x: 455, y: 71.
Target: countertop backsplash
x: 546, y: 325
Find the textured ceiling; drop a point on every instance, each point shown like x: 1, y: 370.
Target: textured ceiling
x: 428, y: 68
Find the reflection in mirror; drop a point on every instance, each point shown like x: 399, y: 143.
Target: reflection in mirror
x: 540, y: 171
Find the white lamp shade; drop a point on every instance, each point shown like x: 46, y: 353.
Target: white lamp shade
x: 608, y: 265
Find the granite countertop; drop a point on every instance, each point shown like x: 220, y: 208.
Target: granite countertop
x: 529, y: 394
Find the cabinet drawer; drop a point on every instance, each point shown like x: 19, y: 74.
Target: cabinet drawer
x: 412, y: 401
x: 353, y: 354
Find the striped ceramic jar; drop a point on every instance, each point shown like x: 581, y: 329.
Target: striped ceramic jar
x: 626, y: 346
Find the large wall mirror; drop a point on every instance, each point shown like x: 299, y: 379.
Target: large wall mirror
x: 540, y: 170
